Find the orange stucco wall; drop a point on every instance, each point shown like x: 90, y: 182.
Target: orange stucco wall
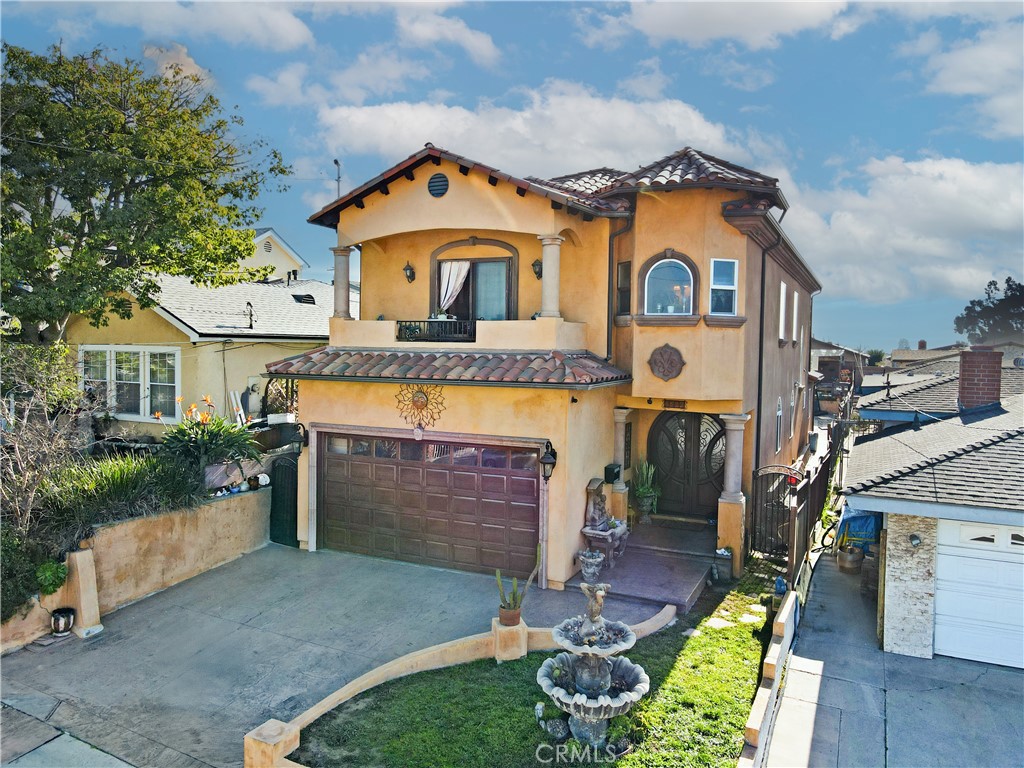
x: 581, y: 432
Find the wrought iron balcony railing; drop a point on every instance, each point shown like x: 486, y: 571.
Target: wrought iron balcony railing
x: 435, y: 330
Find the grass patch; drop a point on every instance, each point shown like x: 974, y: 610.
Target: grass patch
x: 481, y: 714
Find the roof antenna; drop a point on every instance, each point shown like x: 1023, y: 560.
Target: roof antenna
x: 337, y: 180
x: 248, y: 311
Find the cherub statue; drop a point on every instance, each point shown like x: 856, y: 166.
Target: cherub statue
x: 595, y: 600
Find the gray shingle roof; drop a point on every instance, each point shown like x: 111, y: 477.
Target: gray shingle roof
x: 873, y: 456
x: 275, y: 311
x: 987, y: 473
x: 936, y: 394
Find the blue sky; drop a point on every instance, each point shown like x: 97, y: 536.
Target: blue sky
x: 895, y: 128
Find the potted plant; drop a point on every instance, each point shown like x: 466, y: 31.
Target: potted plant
x: 645, y: 489
x: 591, y: 561
x: 51, y: 576
x: 202, y: 440
x: 510, y: 604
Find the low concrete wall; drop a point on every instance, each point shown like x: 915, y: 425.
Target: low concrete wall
x: 267, y: 745
x: 130, y: 559
x: 762, y: 712
x: 137, y: 557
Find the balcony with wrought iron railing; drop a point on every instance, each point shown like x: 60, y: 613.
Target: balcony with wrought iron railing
x: 435, y: 330
x: 541, y: 333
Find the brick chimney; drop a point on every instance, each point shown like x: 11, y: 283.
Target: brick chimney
x: 922, y: 344
x: 980, y: 374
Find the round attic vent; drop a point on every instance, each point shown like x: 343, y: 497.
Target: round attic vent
x: 1018, y: 362
x: 437, y: 185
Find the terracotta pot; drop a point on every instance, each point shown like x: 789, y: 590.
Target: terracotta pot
x: 61, y: 621
x: 508, y: 617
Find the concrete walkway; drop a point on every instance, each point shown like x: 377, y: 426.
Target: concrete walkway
x: 846, y: 703
x: 180, y: 677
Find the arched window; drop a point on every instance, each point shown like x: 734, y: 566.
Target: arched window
x: 668, y: 289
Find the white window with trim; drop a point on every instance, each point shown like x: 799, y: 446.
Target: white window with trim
x: 782, y: 312
x: 796, y: 316
x: 724, y: 286
x: 778, y: 426
x: 792, y: 410
x: 134, y: 382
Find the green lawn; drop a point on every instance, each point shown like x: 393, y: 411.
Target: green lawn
x: 481, y: 714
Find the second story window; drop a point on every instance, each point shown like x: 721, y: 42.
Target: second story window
x: 724, y: 282
x: 778, y: 426
x: 668, y: 289
x: 624, y: 283
x: 782, y: 312
x: 474, y: 290
x: 796, y: 316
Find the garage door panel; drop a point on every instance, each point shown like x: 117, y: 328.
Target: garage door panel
x: 466, y: 506
x: 968, y: 640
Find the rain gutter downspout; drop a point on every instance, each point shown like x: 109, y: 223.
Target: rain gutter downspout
x: 611, y: 281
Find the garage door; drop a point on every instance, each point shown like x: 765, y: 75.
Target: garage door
x: 979, y: 592
x: 472, y: 507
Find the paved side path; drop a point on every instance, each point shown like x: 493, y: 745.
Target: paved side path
x: 177, y: 679
x: 846, y: 703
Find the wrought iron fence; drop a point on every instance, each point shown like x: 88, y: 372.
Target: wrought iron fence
x: 435, y: 330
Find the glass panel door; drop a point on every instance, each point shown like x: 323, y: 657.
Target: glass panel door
x: 490, y: 289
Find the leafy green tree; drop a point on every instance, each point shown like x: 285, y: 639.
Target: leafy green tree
x: 996, y: 317
x: 112, y: 176
x: 875, y: 356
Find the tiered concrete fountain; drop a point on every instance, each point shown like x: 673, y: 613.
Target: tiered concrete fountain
x: 590, y: 682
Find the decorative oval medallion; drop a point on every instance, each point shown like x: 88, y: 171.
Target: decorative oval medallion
x: 666, y: 362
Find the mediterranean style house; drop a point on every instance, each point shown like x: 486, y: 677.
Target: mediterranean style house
x: 532, y: 335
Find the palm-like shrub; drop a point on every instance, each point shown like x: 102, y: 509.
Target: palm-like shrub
x: 203, y: 437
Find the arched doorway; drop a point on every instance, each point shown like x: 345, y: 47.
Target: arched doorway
x: 688, y: 451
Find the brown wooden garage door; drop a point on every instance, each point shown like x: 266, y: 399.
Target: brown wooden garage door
x: 472, y: 507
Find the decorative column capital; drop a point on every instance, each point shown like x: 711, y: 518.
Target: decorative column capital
x: 621, y: 414
x: 342, y: 250
x: 735, y: 421
x: 551, y: 239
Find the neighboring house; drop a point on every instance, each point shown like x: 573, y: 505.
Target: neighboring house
x: 942, y: 395
x: 195, y: 342
x: 272, y: 250
x: 951, y: 497
x: 838, y: 364
x: 593, y: 319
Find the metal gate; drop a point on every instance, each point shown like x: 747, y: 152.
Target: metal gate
x: 773, y: 496
x: 284, y: 506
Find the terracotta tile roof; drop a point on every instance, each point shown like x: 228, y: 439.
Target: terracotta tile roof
x: 564, y: 370
x: 688, y: 166
x: 585, y: 182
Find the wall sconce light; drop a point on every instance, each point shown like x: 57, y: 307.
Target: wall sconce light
x: 915, y: 540
x: 650, y: 401
x: 538, y: 268
x: 548, y: 461
x: 410, y: 272
x: 303, y: 436
x: 573, y: 399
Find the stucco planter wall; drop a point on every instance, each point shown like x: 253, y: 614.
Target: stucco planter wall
x: 134, y: 558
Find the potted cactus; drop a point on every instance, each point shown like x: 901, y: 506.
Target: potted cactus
x: 510, y: 604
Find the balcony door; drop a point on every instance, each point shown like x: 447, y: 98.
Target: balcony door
x: 485, y: 295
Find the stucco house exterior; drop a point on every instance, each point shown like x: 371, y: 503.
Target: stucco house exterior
x: 951, y: 497
x: 592, y: 319
x: 203, y: 341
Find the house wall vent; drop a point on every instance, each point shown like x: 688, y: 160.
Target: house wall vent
x: 268, y: 246
x: 304, y: 298
x: 437, y: 185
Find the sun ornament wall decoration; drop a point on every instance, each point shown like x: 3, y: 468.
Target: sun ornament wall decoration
x: 421, y: 405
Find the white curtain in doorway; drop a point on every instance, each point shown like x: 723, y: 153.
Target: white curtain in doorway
x: 453, y: 277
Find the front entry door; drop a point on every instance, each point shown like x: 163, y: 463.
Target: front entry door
x: 688, y: 451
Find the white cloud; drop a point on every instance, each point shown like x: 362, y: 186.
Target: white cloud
x: 286, y: 88
x: 424, y: 26
x: 923, y: 227
x: 647, y: 82
x: 755, y: 24
x: 990, y: 68
x: 264, y: 26
x: 175, y: 55
x: 560, y: 127
x: 736, y: 73
x: 377, y: 71
x: 319, y: 188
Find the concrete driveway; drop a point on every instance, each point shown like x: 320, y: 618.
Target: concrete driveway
x: 178, y: 678
x: 846, y: 703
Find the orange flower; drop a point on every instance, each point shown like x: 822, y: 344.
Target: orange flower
x: 204, y: 417
x: 190, y: 411
x: 208, y: 400
x: 179, y: 398
x: 157, y: 415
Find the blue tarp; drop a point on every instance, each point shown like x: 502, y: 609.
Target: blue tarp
x: 858, y: 528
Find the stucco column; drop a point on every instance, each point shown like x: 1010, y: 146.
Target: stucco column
x: 551, y: 252
x: 734, y: 425
x: 341, y: 278
x: 620, y: 414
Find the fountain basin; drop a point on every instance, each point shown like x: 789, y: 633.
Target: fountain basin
x: 580, y: 636
x: 629, y: 684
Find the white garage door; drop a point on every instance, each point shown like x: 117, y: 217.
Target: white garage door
x: 979, y: 592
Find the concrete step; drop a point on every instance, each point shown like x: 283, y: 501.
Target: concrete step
x: 680, y: 521
x: 655, y: 577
